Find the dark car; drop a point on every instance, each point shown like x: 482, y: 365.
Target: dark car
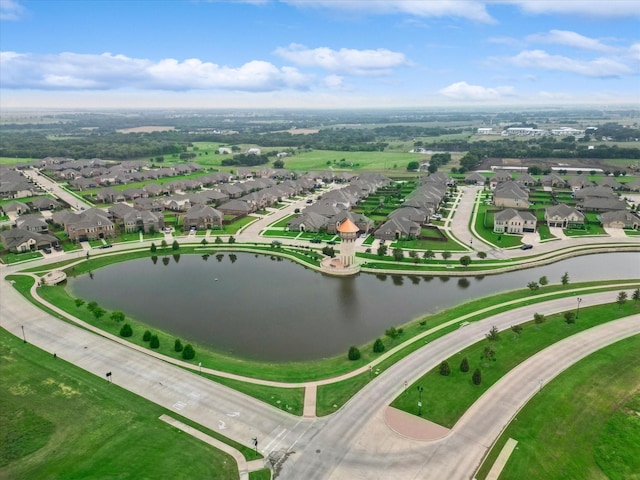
x: 315, y: 240
x: 57, y: 248
x: 46, y: 250
x: 106, y: 245
x: 526, y: 246
x: 331, y: 242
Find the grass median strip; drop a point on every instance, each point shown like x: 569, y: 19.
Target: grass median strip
x: 447, y: 397
x: 593, y: 430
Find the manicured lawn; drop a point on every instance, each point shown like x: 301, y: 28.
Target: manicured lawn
x: 20, y: 257
x: 583, y: 424
x: 59, y: 421
x: 484, y: 228
x: 448, y: 397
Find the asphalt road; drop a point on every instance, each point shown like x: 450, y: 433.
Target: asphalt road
x: 353, y: 443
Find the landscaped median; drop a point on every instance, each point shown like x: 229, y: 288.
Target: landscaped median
x: 333, y: 392
x: 582, y: 424
x: 448, y: 390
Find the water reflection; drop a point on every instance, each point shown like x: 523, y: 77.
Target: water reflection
x: 276, y: 310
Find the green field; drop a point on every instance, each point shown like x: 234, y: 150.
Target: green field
x: 58, y: 421
x: 584, y: 424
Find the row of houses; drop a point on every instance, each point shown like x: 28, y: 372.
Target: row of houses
x: 14, y: 185
x: 533, y: 132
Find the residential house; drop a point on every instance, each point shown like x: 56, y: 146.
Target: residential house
x: 235, y: 207
x: 511, y: 195
x: 308, y: 221
x: 202, y: 217
x: 514, y: 221
x: 15, y: 208
x: 553, y: 180
x: 143, y: 221
x: 563, y: 216
x: 526, y: 180
x: 620, y: 219
x: 45, y: 203
x: 32, y: 223
x: 397, y: 228
x: 20, y: 240
x: 91, y: 224
x: 475, y: 178
x: 499, y: 177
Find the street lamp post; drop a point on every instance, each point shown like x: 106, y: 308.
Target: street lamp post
x: 578, y: 308
x: 23, y: 337
x: 420, y: 389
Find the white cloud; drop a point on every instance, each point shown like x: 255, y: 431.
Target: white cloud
x: 599, y: 67
x: 108, y: 72
x: 634, y: 51
x: 476, y: 93
x: 11, y: 10
x: 593, y: 8
x: 356, y: 62
x: 571, y: 39
x: 469, y: 9
x: 334, y: 82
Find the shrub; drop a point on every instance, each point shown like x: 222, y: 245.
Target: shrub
x: 146, y: 336
x: 378, y: 346
x: 354, y: 353
x: 464, y: 365
x: 188, y: 353
x: 91, y: 306
x: 177, y: 346
x: 538, y: 318
x: 445, y: 369
x: 217, y: 240
x: 126, y: 330
x: 569, y: 317
x: 154, y: 342
x: 476, y: 378
x: 153, y: 248
x: 175, y: 245
x: 79, y: 302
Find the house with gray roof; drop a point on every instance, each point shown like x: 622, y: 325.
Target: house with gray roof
x: 308, y: 221
x: 235, y: 207
x: 553, y: 180
x: 143, y: 221
x: 514, y: 221
x: 15, y: 208
x: 32, y: 223
x: 620, y: 219
x: 45, y: 203
x: 475, y: 178
x: 91, y: 224
x: 595, y: 204
x: 397, y: 228
x: 202, y: 217
x: 20, y: 240
x: 563, y: 216
x: 511, y: 195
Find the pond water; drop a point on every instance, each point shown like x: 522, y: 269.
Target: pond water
x: 265, y: 308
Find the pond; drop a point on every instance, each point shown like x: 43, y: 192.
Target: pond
x: 271, y: 309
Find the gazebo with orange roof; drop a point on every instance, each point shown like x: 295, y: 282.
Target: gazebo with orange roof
x: 348, y: 232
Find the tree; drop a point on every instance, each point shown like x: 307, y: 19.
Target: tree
x: 163, y: 244
x: 154, y: 341
x: 489, y: 353
x: 429, y: 254
x: 117, y: 316
x: 98, y: 312
x: 413, y: 166
x: 464, y: 365
x: 91, y: 306
x: 517, y: 329
x: 465, y: 261
x: 204, y: 242
x: 565, y: 278
x: 533, y: 286
x: 218, y: 240
x: 493, y: 335
x: 621, y: 299
x: 636, y: 295
x: 446, y: 255
x: 79, y: 302
x: 382, y: 250
x: 126, y: 330
x: 398, y: 254
x: 476, y: 378
x: 175, y: 245
x: 329, y: 251
x: 445, y: 370
x: 543, y: 281
x: 146, y: 336
x: 392, y: 333
x: 378, y: 346
x: 278, y: 163
x: 153, y: 248
x: 482, y: 255
x: 538, y: 318
x: 232, y: 239
x: 188, y: 353
x: 569, y: 317
x: 354, y: 353
x: 177, y: 345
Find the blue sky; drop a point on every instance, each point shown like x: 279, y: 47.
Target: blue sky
x: 318, y: 53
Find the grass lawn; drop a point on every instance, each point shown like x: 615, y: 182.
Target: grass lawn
x: 448, y: 397
x: 594, y: 431
x: 59, y: 421
x: 487, y: 233
x: 20, y: 257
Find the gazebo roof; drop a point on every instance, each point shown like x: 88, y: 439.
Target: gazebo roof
x: 348, y: 227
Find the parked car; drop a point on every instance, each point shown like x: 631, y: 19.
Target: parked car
x: 57, y: 248
x: 315, y: 240
x: 331, y: 242
x: 46, y: 250
x: 436, y: 216
x: 106, y: 245
x: 526, y: 246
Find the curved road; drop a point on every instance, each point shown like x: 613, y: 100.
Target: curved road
x: 350, y: 443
